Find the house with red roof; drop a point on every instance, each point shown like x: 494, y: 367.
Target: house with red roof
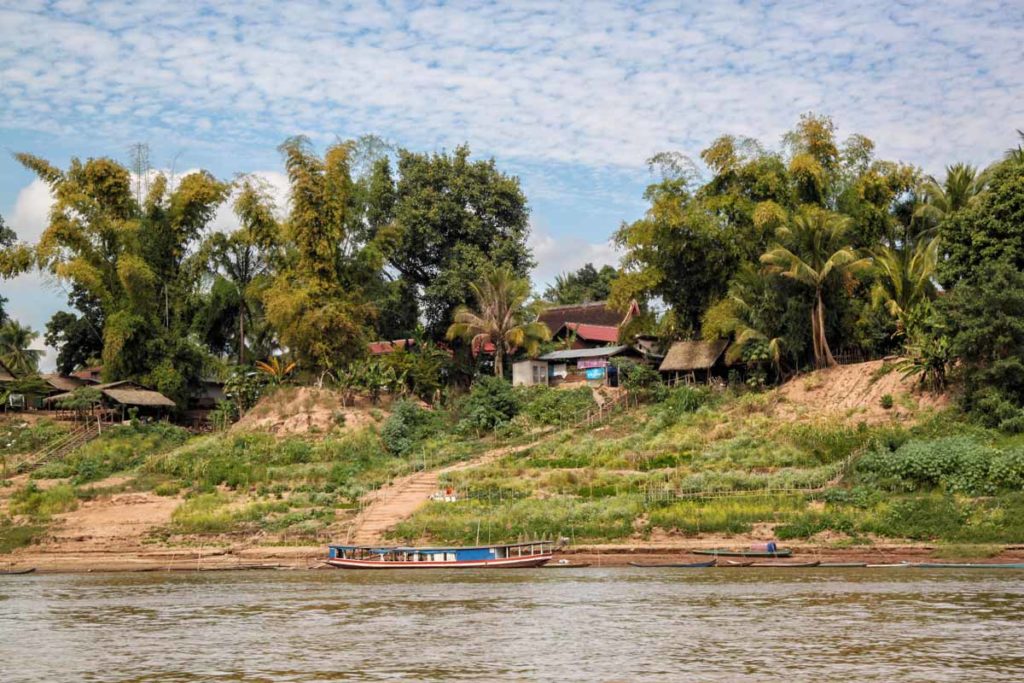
x: 587, y: 326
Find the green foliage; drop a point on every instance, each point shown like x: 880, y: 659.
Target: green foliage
x: 22, y: 437
x: 14, y: 536
x: 547, y: 406
x: 41, y: 504
x: 454, y: 217
x: 886, y: 401
x: 490, y: 404
x: 958, y: 464
x: 637, y: 378
x: 119, y: 449
x: 985, y: 321
x: 407, y: 425
x: 581, y: 286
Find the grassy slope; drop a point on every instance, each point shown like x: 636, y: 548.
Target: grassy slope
x: 919, y: 475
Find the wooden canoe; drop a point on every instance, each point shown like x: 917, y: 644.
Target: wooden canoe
x: 675, y: 565
x: 767, y: 565
x: 567, y: 565
x: 781, y: 552
x: 734, y: 563
x: 16, y: 572
x: 842, y: 565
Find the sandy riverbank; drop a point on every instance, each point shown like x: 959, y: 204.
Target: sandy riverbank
x: 310, y: 557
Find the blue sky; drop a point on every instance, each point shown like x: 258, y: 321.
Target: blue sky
x: 570, y: 96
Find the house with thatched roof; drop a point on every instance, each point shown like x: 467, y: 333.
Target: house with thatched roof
x: 695, y: 360
x: 587, y: 325
x: 119, y: 397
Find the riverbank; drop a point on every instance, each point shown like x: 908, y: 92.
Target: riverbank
x: 311, y: 557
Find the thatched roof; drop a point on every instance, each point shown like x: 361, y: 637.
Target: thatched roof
x: 62, y: 383
x: 684, y: 356
x: 596, y: 313
x: 126, y: 393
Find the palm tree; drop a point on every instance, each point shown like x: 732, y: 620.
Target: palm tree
x: 14, y: 348
x: 905, y: 278
x: 814, y: 249
x: 1016, y: 153
x: 963, y: 184
x: 500, y: 317
x: 747, y: 286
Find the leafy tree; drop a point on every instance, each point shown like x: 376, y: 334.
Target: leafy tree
x: 905, y: 278
x: 137, y: 260
x: 15, y: 351
x: 581, y: 286
x: 678, y: 252
x: 77, y: 338
x: 499, y: 317
x: 963, y: 185
x: 814, y: 250
x: 15, y: 258
x: 991, y: 228
x: 317, y: 301
x: 490, y: 404
x: 984, y: 317
x: 455, y: 217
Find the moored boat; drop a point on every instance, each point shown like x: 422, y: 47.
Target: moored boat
x: 722, y: 552
x: 17, y: 572
x: 675, y: 565
x: 500, y: 556
x: 785, y: 565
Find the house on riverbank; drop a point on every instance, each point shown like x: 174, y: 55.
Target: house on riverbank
x: 585, y: 326
x: 695, y: 361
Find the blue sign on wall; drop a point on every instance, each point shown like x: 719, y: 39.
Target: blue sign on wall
x: 595, y: 373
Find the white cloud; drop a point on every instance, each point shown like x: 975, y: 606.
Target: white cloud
x: 594, y: 83
x: 31, y: 212
x: 565, y: 253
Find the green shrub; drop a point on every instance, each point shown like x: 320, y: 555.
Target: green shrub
x: 958, y: 464
x: 920, y: 518
x: 886, y: 401
x: 490, y: 403
x: 41, y: 504
x: 548, y: 406
x: 14, y: 536
x: 407, y: 425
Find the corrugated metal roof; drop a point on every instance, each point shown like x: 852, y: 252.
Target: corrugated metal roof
x: 604, y: 333
x: 573, y: 354
x: 683, y: 356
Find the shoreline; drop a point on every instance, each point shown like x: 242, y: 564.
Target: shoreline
x: 311, y: 557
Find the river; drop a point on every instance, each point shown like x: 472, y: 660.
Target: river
x: 595, y: 624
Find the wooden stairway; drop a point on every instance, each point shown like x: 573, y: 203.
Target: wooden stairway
x: 76, y: 438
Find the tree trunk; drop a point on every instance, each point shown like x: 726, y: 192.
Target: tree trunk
x: 826, y: 352
x: 499, y: 366
x: 241, y: 336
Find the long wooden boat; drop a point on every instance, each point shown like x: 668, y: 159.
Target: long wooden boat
x: 675, y: 565
x: 720, y: 552
x: 785, y: 565
x: 968, y: 565
x: 735, y: 563
x: 567, y: 565
x: 500, y: 556
x: 16, y: 572
x: 842, y: 565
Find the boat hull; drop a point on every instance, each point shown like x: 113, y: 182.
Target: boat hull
x: 781, y: 552
x: 502, y: 563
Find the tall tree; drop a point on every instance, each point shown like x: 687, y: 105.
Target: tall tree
x: 454, y: 217
x: 905, y: 278
x: 963, y: 185
x: 138, y: 261
x: 499, y: 317
x: 581, y: 286
x: 15, y: 348
x: 989, y: 228
x: 814, y: 249
x: 78, y: 337
x: 317, y: 301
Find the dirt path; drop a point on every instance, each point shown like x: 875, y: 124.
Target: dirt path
x: 389, y: 505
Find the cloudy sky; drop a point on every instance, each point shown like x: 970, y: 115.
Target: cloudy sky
x: 570, y: 96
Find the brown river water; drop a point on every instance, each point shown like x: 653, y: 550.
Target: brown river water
x: 594, y: 624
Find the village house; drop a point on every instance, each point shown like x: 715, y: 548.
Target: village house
x: 695, y: 361
x: 586, y: 326
x: 117, y: 398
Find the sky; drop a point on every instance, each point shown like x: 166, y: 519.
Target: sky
x: 572, y: 97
